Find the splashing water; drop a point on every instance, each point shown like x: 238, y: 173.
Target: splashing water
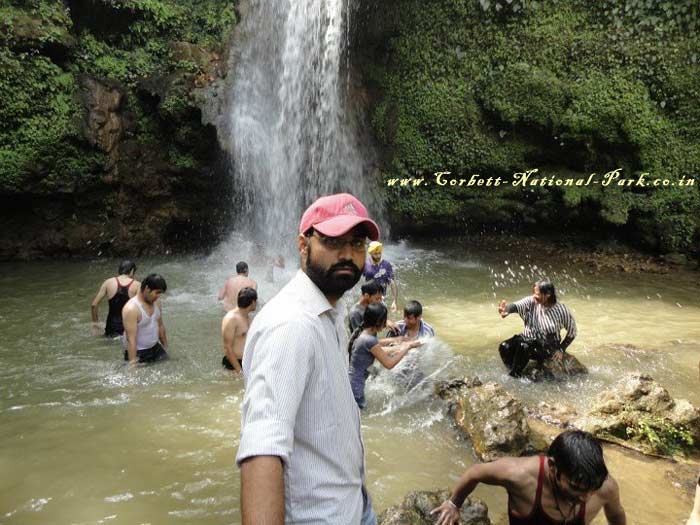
x: 290, y: 133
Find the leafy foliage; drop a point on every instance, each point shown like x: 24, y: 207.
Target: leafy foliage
x: 660, y: 435
x: 496, y: 87
x: 44, y: 48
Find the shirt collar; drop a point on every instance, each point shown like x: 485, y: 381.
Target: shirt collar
x: 314, y: 300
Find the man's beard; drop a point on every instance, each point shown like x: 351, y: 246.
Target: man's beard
x: 329, y: 283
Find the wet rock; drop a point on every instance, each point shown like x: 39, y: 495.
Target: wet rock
x: 555, y: 414
x: 553, y: 369
x: 640, y: 413
x: 102, y: 122
x: 492, y: 418
x: 415, y: 510
x: 47, y: 32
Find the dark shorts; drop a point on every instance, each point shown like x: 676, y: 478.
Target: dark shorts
x: 517, y: 351
x: 225, y: 362
x: 155, y: 353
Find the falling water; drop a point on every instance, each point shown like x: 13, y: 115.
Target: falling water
x: 290, y: 132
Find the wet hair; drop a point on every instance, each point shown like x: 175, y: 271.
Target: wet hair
x: 413, y: 308
x: 126, y: 267
x: 154, y: 282
x: 241, y: 267
x: 246, y: 297
x: 579, y: 456
x: 547, y: 288
x: 371, y: 288
x: 375, y: 316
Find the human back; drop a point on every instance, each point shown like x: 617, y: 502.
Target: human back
x: 233, y: 285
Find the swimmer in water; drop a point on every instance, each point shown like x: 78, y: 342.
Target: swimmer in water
x: 118, y: 290
x: 570, y: 485
x: 234, y: 329
x: 364, y: 348
x: 540, y: 340
x: 144, y: 330
x: 229, y: 292
x: 413, y: 326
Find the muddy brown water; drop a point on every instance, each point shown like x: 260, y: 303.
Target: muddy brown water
x: 86, y: 442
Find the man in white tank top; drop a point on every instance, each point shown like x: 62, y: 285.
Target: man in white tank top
x: 144, y: 330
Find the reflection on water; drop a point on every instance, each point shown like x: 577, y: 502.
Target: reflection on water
x: 86, y: 441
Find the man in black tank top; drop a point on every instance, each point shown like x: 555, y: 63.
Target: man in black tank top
x: 118, y: 291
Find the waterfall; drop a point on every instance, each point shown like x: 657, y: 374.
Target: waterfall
x: 290, y: 133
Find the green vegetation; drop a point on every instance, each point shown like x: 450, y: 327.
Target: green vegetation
x: 155, y: 51
x: 495, y: 87
x: 660, y: 435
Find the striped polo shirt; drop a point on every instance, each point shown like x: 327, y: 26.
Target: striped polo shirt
x: 544, y: 322
x: 298, y: 405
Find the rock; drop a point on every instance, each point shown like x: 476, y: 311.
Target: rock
x: 568, y: 366
x: 415, y: 510
x: 102, y: 123
x: 492, y: 418
x: 640, y: 413
x: 558, y: 414
x: 48, y: 32
x: 677, y: 259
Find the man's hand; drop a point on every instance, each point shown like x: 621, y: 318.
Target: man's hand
x: 95, y: 329
x: 502, y: 308
x: 393, y: 306
x: 448, y: 513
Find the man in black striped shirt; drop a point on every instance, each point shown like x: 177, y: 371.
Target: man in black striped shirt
x: 544, y: 319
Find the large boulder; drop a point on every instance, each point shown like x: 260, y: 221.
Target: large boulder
x: 492, y: 418
x: 640, y: 413
x: 415, y: 510
x: 553, y: 369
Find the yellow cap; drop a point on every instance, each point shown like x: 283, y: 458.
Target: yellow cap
x: 375, y: 246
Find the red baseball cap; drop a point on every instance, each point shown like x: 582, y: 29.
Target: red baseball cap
x: 335, y: 215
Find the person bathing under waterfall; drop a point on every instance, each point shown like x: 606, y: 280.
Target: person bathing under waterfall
x: 540, y: 340
x: 233, y: 285
x: 234, y: 328
x: 118, y: 290
x: 364, y: 348
x: 144, y: 330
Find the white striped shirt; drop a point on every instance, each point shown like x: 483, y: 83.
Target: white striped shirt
x: 545, y: 322
x: 298, y: 405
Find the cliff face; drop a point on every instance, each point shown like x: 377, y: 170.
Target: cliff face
x: 496, y: 87
x: 102, y: 146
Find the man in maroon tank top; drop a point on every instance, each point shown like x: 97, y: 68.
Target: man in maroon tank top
x: 569, y: 486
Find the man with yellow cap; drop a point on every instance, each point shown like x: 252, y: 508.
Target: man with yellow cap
x: 380, y: 271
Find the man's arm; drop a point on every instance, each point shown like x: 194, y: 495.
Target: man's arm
x: 394, y: 293
x: 228, y: 332
x: 101, y: 293
x: 130, y: 316
x: 262, y: 491
x: 614, y: 512
x: 162, y: 336
x: 570, y: 326
x: 493, y: 473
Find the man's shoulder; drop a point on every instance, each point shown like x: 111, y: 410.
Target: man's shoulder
x: 609, y: 490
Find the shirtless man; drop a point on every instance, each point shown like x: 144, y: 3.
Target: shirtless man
x: 570, y: 485
x: 144, y: 330
x: 234, y: 329
x: 118, y: 291
x: 233, y: 285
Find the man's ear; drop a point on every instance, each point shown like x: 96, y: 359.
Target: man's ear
x: 302, y: 244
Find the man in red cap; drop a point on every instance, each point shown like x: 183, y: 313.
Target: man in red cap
x: 301, y: 453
